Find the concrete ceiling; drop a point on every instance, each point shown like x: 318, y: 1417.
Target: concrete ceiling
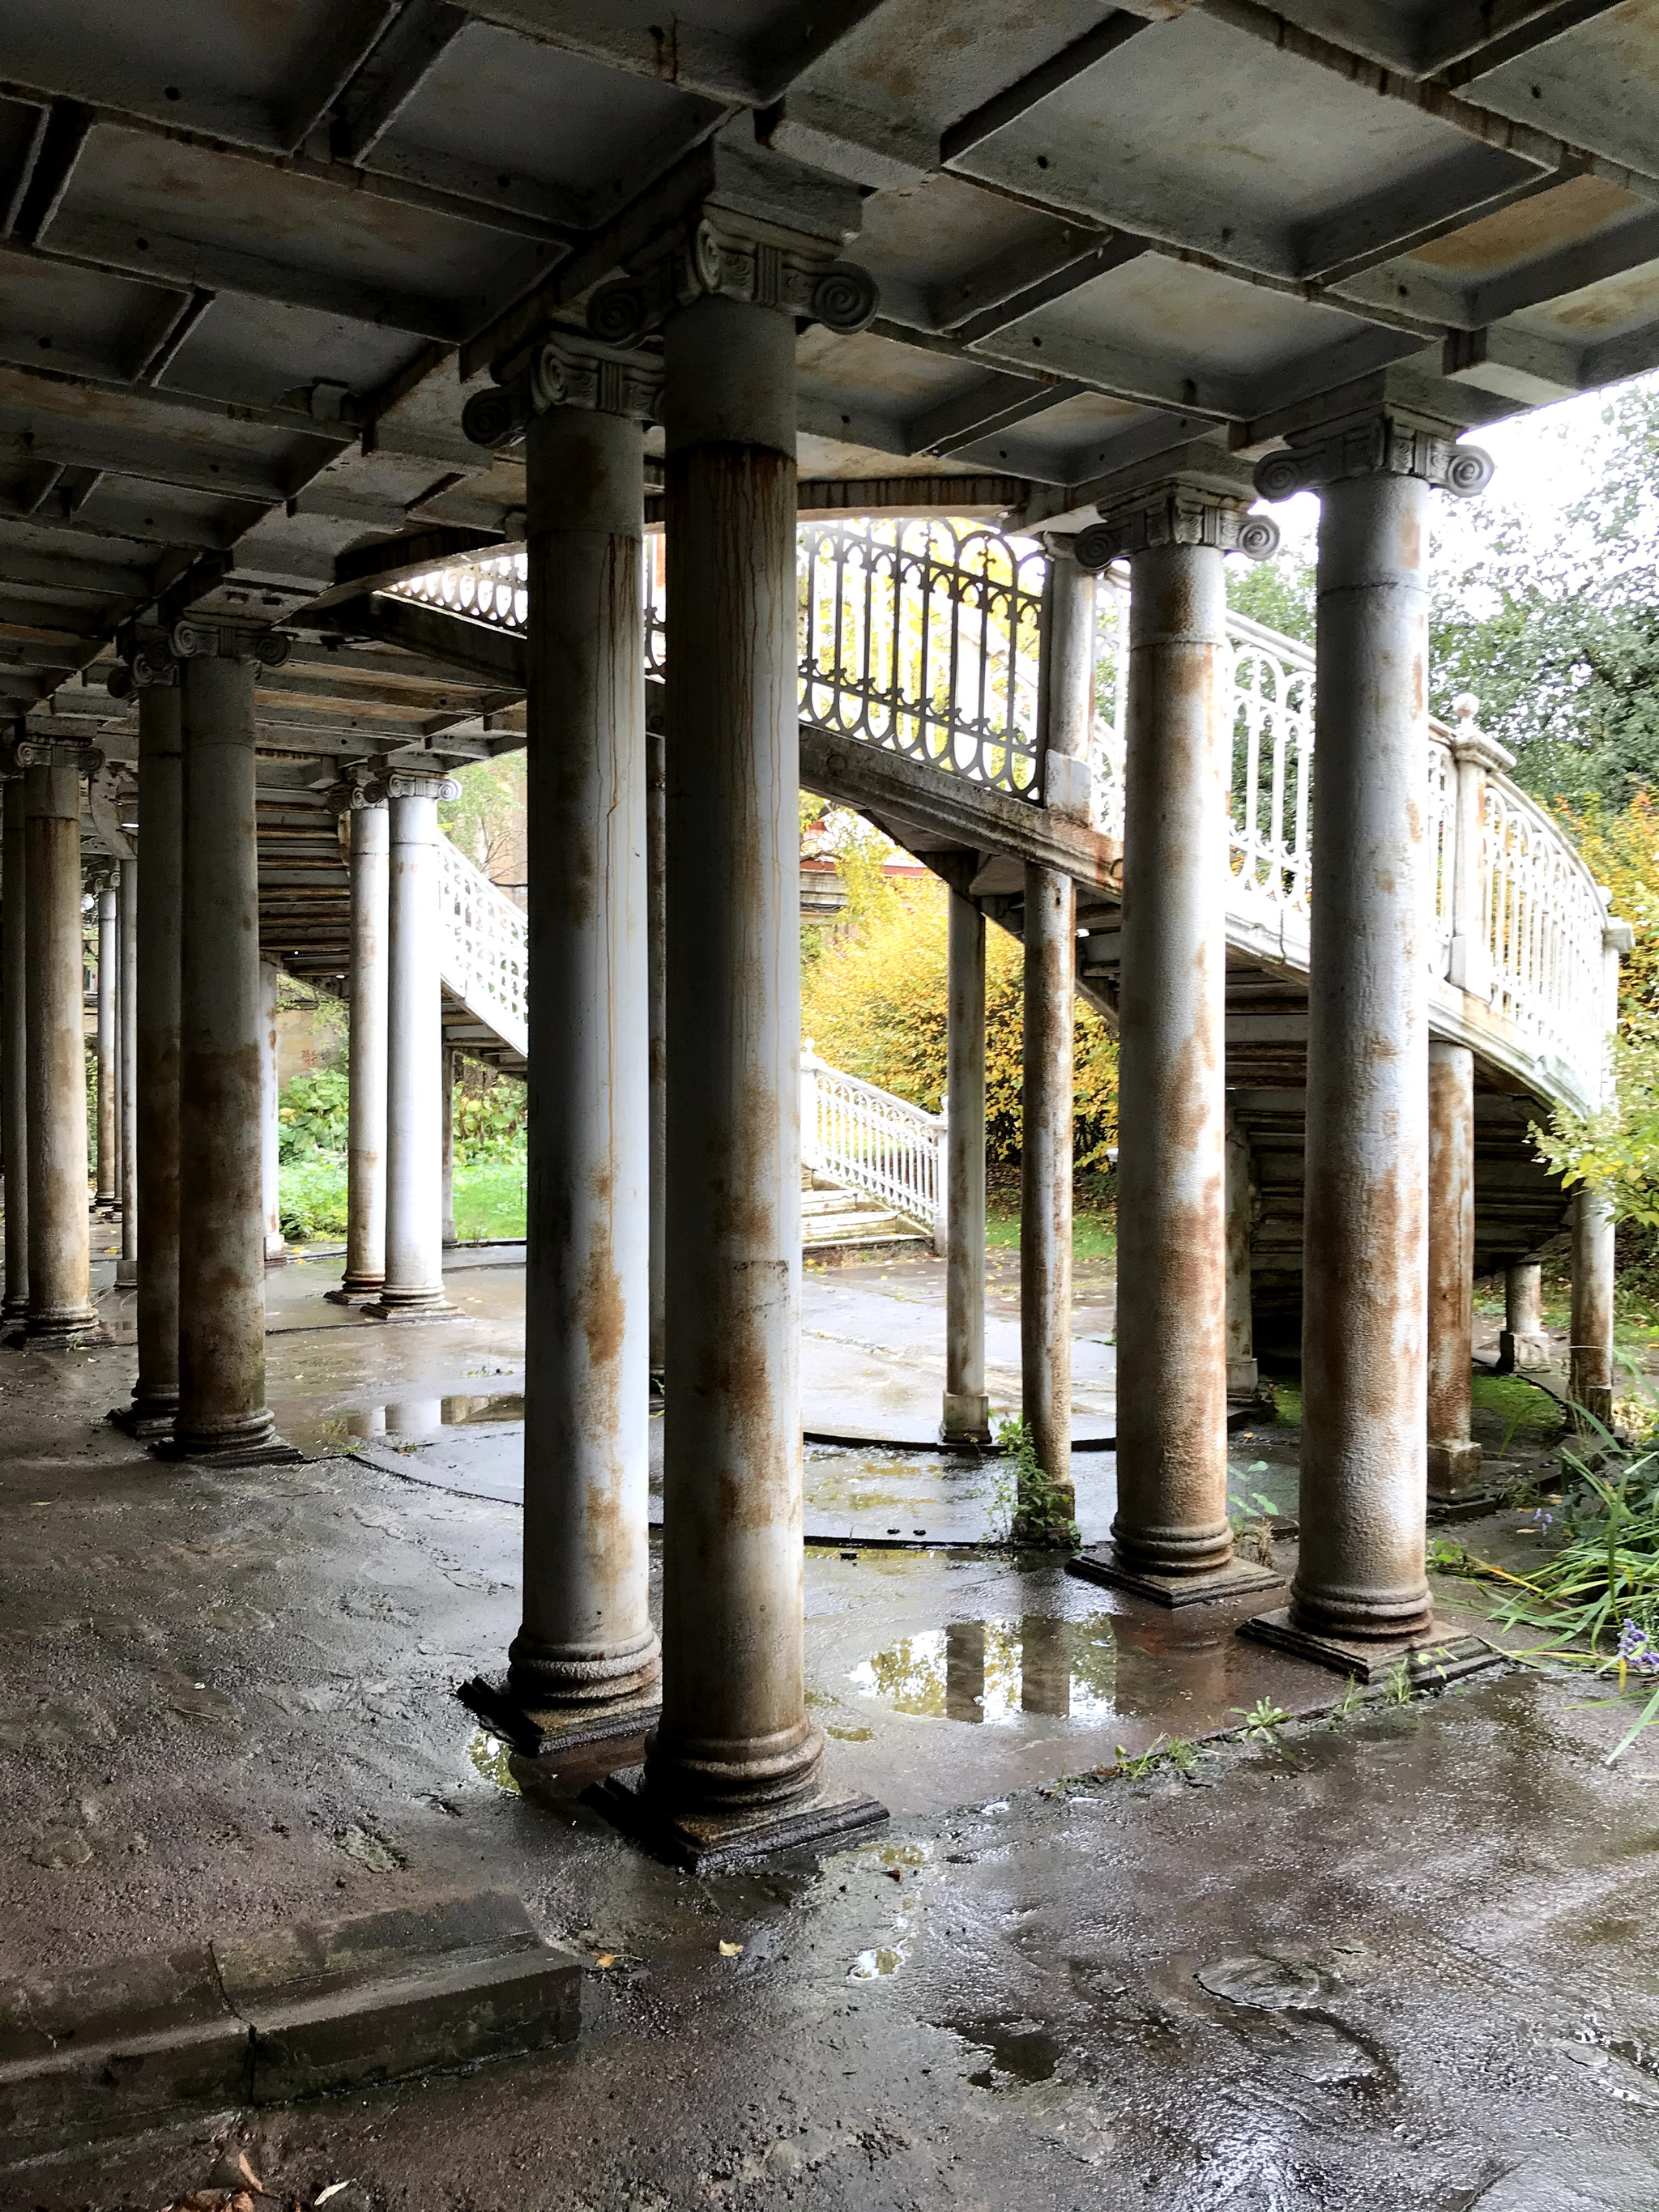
x: 254, y: 260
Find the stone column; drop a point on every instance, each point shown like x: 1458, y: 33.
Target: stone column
x: 106, y: 1195
x: 1522, y: 1341
x: 736, y: 1750
x: 14, y: 1054
x: 1589, y: 1382
x: 60, y: 1309
x: 447, y: 1080
x: 586, y: 1659
x: 155, y: 1003
x: 1243, y: 1377
x: 271, y: 1129
x: 1045, y: 1185
x: 1172, y: 1539
x: 365, y: 1259
x: 967, y: 1412
x: 1360, y: 1581
x: 414, y: 1285
x: 222, y: 1276
x: 1454, y: 1458
x: 126, y: 1118
x: 656, y: 963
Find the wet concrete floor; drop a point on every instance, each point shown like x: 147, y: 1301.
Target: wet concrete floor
x: 1401, y: 1958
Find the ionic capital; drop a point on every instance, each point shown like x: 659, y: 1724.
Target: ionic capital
x: 405, y: 783
x: 230, y: 641
x: 1176, y: 514
x: 722, y: 254
x: 25, y: 750
x: 147, y: 660
x: 564, y: 372
x: 1379, y: 443
x: 357, y: 790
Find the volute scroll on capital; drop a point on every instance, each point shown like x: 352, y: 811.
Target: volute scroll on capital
x: 563, y: 371
x: 198, y: 640
x: 724, y: 257
x: 407, y: 783
x: 23, y: 750
x: 1177, y: 515
x: 1381, y: 444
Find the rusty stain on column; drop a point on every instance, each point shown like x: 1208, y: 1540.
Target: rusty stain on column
x: 1589, y: 1382
x: 276, y: 1244
x: 156, y: 1002
x: 1522, y: 1342
x: 656, y: 949
x: 1365, y: 1233
x: 587, y: 1654
x: 966, y: 1415
x: 60, y: 1309
x: 1171, y: 1517
x: 221, y: 1270
x: 14, y: 1054
x: 735, y: 1735
x: 1454, y: 1457
x: 1045, y: 1176
x: 1243, y: 1377
x: 369, y: 831
x: 106, y: 1196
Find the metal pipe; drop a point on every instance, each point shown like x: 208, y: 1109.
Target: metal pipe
x: 967, y: 1409
x: 222, y: 1273
x: 365, y: 1260
x: 1171, y: 1164
x: 1364, y: 1409
x: 107, y: 1197
x: 735, y: 1732
x: 60, y: 1309
x: 1454, y: 1457
x: 586, y: 1642
x: 126, y: 1097
x: 414, y: 1285
x: 1045, y: 1176
x: 14, y: 1058
x: 156, y: 1007
x: 1522, y: 1341
x: 1591, y: 1356
x: 276, y: 1244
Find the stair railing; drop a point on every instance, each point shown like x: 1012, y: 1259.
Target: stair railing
x: 868, y: 1138
x: 482, y: 949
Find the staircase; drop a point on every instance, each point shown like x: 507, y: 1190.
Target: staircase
x: 838, y: 1224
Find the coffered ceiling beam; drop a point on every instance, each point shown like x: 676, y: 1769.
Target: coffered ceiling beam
x: 392, y: 73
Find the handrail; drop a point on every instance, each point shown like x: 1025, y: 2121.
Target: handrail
x: 875, y: 1142
x: 924, y: 637
x: 484, y: 948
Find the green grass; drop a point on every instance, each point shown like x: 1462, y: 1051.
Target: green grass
x: 1529, y: 1415
x: 1094, y: 1234
x: 490, y: 1198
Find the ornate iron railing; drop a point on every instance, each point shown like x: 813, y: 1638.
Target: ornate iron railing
x: 482, y: 956
x: 924, y: 637
x: 871, y: 1140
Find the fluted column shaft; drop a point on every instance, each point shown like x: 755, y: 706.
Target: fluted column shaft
x: 60, y: 1309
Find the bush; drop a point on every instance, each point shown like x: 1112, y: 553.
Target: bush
x: 314, y: 1113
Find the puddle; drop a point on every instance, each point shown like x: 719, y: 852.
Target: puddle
x: 491, y: 1759
x: 871, y: 1965
x: 421, y: 1416
x: 1000, y: 1670
x: 1019, y: 2051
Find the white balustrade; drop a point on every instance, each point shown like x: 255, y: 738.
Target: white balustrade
x: 483, y: 958
x: 923, y: 637
x: 873, y: 1141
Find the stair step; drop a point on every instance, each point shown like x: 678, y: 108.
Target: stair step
x: 855, y: 1228
x: 830, y: 1201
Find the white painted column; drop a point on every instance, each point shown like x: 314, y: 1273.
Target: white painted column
x: 1045, y: 1183
x: 414, y: 1285
x: 271, y: 1129
x: 126, y: 1098
x: 365, y: 1258
x: 447, y: 1081
x: 967, y: 1409
x: 1524, y: 1342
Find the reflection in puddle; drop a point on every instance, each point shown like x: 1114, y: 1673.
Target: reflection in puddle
x: 424, y: 1417
x: 491, y: 1757
x: 997, y: 1670
x: 871, y: 1965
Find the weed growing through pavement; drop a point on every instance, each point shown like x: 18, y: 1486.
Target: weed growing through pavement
x: 1030, y: 1506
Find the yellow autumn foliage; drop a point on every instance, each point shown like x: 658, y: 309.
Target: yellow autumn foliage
x: 1622, y: 852
x: 874, y: 1004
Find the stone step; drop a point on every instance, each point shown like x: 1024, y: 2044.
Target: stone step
x: 855, y: 1228
x: 831, y: 1201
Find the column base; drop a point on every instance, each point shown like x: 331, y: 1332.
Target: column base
x: 1244, y: 1378
x: 711, y: 1843
x: 68, y: 1331
x: 544, y: 1732
x: 1238, y: 1578
x: 409, y: 1306
x: 253, y: 1442
x: 1597, y: 1401
x: 1454, y: 1468
x: 966, y: 1418
x: 126, y: 1275
x: 145, y: 1418
x: 1431, y: 1657
x: 355, y: 1290
x: 1516, y: 1352
x: 277, y: 1252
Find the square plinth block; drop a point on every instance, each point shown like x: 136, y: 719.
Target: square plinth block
x: 1432, y: 1660
x: 1239, y: 1579
x: 145, y: 1426
x: 705, y: 1842
x: 543, y: 1732
x: 272, y: 1453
